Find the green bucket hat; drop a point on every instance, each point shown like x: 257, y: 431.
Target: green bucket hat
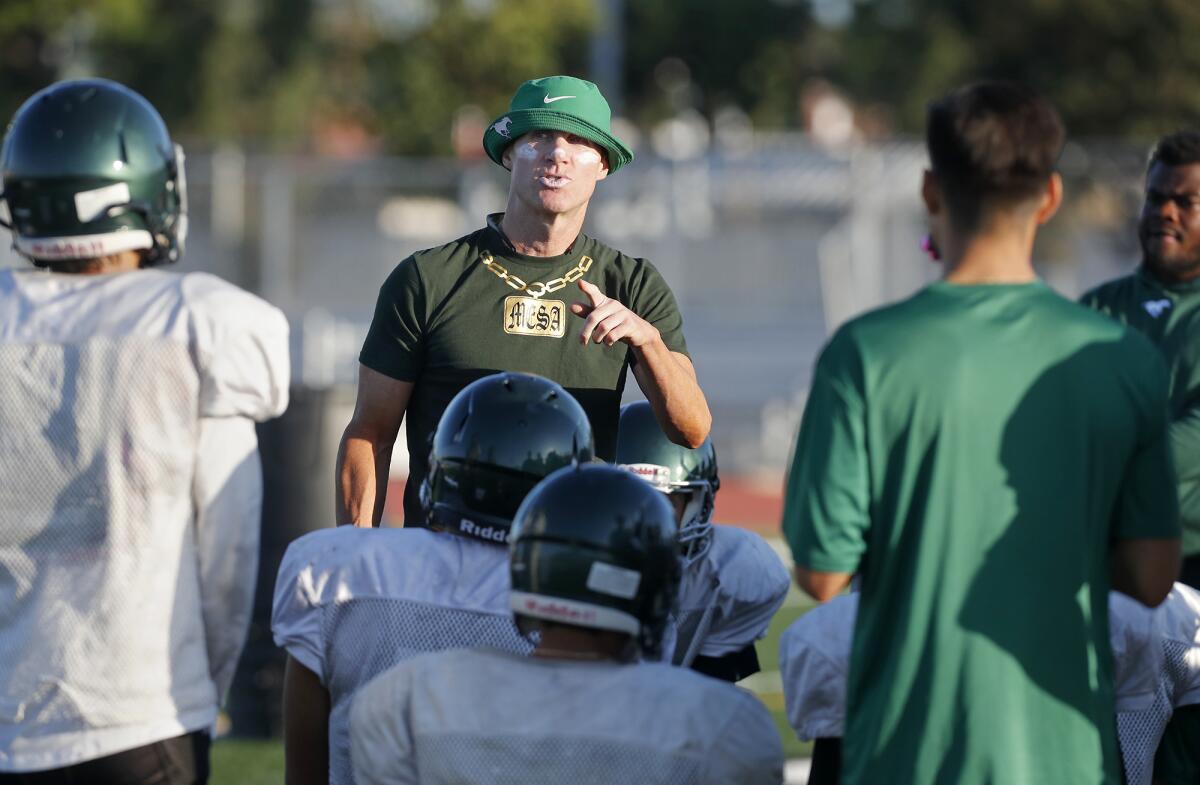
x: 557, y: 103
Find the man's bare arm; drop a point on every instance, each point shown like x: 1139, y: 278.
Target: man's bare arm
x: 667, y: 378
x: 306, y: 706
x: 365, y: 454
x: 821, y: 586
x: 1145, y: 569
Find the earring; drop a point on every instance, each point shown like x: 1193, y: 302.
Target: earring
x: 930, y: 248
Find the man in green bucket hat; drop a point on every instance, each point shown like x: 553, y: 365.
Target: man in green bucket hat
x: 527, y: 292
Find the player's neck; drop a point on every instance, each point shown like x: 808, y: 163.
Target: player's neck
x: 541, y: 234
x: 996, y: 255
x: 562, y: 642
x: 121, y: 262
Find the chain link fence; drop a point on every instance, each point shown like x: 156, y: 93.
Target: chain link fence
x: 768, y: 248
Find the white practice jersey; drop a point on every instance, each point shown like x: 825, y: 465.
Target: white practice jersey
x: 727, y: 597
x: 1177, y: 626
x: 351, y: 603
x: 814, y: 658
x: 484, y: 717
x: 129, y: 489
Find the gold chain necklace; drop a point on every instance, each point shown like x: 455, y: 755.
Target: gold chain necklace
x: 537, y: 288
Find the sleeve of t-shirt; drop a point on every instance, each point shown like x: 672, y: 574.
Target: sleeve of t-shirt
x: 381, y: 746
x: 241, y: 342
x: 1147, y: 503
x: 1184, y: 428
x: 748, y: 749
x: 826, y: 506
x: 654, y: 301
x: 1184, y: 433
x: 395, y: 343
x: 298, y: 606
x: 1177, y: 761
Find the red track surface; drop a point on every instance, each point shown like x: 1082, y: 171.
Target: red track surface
x: 756, y: 505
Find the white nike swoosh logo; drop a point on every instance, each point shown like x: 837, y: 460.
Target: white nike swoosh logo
x: 549, y: 100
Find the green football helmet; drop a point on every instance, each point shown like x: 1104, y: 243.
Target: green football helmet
x: 645, y: 450
x: 593, y: 546
x: 498, y: 438
x: 89, y: 170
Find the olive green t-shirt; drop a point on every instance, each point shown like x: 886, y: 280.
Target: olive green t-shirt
x: 1170, y: 317
x: 444, y: 319
x: 971, y: 452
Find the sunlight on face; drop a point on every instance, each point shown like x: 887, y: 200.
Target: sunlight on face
x: 553, y: 171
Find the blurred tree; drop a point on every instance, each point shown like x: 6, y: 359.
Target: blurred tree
x: 705, y: 54
x: 291, y: 73
x: 1113, y: 67
x: 472, y: 52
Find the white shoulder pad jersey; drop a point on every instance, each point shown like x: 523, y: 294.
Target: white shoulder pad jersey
x: 727, y: 598
x: 483, y: 717
x: 1177, y: 624
x: 814, y: 658
x: 351, y: 603
x: 112, y: 635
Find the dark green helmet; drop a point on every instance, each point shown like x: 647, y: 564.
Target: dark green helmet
x: 89, y: 170
x: 645, y: 450
x: 595, y: 547
x: 496, y: 440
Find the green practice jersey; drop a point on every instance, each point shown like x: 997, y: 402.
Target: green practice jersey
x: 445, y: 319
x: 971, y: 453
x: 1170, y: 317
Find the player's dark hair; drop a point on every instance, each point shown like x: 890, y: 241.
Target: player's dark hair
x: 1178, y: 149
x: 991, y: 145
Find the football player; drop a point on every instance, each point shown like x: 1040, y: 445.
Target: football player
x: 130, y: 483
x: 1156, y: 669
x: 1159, y: 741
x: 732, y: 581
x: 595, y: 568
x: 351, y: 602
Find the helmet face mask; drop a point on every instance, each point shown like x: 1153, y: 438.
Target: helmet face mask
x: 497, y: 439
x: 643, y: 449
x: 89, y: 170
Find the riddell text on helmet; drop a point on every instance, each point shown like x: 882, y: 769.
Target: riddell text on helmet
x: 57, y: 249
x: 559, y: 610
x: 473, y: 529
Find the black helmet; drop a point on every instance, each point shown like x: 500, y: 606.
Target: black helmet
x: 89, y: 170
x: 595, y: 547
x: 496, y: 440
x: 645, y: 450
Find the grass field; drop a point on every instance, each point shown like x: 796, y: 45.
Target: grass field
x: 253, y: 762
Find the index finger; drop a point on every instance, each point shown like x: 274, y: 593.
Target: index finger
x: 593, y: 292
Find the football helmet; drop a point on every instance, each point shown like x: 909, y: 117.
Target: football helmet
x: 496, y: 440
x: 645, y: 450
x: 594, y: 546
x: 89, y: 170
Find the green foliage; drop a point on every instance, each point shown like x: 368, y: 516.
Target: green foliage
x: 1114, y: 67
x: 279, y: 73
x: 745, y: 54
x: 470, y: 58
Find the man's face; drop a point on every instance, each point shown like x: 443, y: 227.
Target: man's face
x: 554, y: 171
x: 1169, y: 226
